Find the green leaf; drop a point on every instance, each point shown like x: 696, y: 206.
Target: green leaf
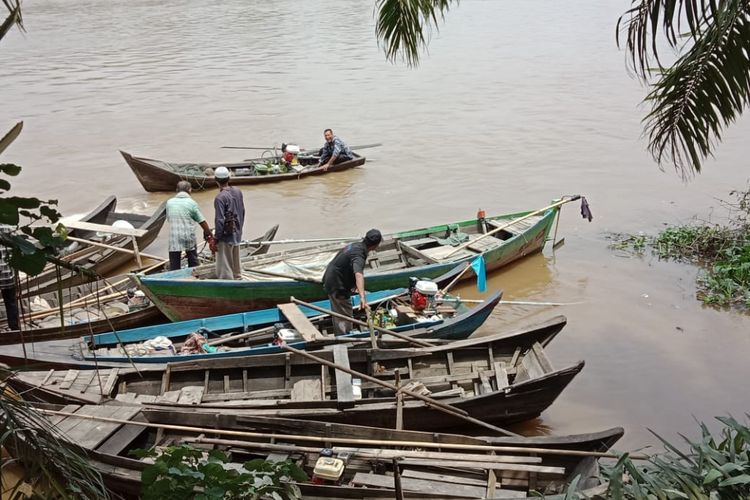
x: 741, y: 479
x: 10, y: 137
x: 4, y: 185
x: 9, y: 168
x: 712, y: 476
x: 32, y: 264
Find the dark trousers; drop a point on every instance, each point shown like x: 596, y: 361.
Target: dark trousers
x: 175, y: 259
x: 341, y: 303
x: 11, y: 307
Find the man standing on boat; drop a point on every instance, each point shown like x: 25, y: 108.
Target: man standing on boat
x: 333, y: 151
x: 345, y: 274
x: 182, y: 211
x: 8, y: 282
x: 230, y: 216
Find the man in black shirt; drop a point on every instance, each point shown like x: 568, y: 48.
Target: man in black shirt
x: 345, y: 274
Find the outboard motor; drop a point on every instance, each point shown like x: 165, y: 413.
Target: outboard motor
x: 423, y: 295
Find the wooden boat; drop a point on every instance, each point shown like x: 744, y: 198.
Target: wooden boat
x: 426, y: 253
x: 430, y: 465
x: 99, y: 260
x: 499, y: 379
x: 249, y: 334
x: 91, y: 308
x: 157, y: 175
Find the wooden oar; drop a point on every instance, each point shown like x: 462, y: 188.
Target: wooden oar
x: 514, y: 221
x: 451, y: 410
x: 363, y: 146
x: 401, y: 336
x: 359, y: 441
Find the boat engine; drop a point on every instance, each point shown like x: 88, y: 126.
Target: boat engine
x: 290, y: 154
x: 329, y: 469
x: 422, y: 294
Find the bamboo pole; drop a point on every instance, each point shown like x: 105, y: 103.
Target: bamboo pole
x: 292, y: 241
x: 451, y: 410
x: 283, y: 275
x: 111, y: 247
x: 358, y: 441
x: 514, y: 221
x: 401, y: 336
x: 455, y: 280
x: 511, y: 302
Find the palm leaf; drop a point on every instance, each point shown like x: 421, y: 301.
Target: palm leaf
x: 43, y: 451
x: 14, y: 19
x: 703, y: 92
x: 404, y: 26
x: 10, y: 136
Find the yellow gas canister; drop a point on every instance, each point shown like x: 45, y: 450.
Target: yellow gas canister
x: 329, y: 468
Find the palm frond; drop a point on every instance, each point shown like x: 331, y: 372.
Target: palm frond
x: 705, y: 90
x: 13, y: 19
x: 404, y: 26
x: 43, y: 452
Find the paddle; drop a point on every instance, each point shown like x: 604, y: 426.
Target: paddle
x: 286, y: 242
x: 363, y: 146
x: 283, y: 275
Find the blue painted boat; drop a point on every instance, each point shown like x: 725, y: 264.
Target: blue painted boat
x: 257, y: 327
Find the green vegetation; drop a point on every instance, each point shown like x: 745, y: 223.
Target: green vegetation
x: 184, y: 472
x: 55, y: 468
x: 709, y: 469
x: 723, y: 251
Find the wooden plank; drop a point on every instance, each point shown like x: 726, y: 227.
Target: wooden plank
x: 168, y: 397
x: 485, y: 379
x: 56, y: 419
x: 449, y: 357
x: 514, y: 359
x: 244, y: 380
x: 344, y: 391
x: 69, y: 379
x: 191, y: 395
x: 111, y: 381
x: 532, y: 366
x: 104, y: 228
x: 46, y: 379
x: 485, y: 465
x: 90, y: 433
x: 123, y: 437
x: 426, y: 487
x: 501, y: 375
x: 541, y: 356
x: 89, y: 380
x: 306, y: 390
x: 165, y: 380
x: 408, y: 249
x: 300, y: 322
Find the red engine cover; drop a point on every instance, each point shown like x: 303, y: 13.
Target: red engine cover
x: 418, y: 301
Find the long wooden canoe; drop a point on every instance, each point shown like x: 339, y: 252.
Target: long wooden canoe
x: 431, y: 465
x: 501, y: 379
x: 157, y: 175
x: 196, y: 293
x: 101, y: 261
x: 246, y: 334
x: 91, y: 308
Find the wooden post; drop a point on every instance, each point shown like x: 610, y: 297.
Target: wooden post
x: 137, y: 253
x: 399, y: 403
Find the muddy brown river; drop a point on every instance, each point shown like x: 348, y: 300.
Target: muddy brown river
x: 516, y: 103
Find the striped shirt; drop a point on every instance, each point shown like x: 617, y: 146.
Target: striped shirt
x: 182, y: 213
x: 337, y: 148
x: 7, y: 274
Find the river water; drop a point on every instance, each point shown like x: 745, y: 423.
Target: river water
x: 517, y: 102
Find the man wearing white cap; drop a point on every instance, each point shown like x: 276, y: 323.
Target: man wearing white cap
x: 229, y: 218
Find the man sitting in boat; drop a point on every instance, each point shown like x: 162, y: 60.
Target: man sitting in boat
x: 182, y: 211
x: 345, y: 274
x: 333, y: 151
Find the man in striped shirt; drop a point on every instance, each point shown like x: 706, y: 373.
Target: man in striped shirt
x: 182, y: 212
x: 333, y: 151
